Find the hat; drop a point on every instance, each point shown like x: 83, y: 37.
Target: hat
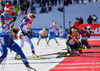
x: 44, y: 29
x: 54, y: 24
x: 8, y: 7
x: 30, y: 15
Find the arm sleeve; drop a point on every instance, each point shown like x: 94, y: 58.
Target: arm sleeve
x: 22, y: 24
x: 2, y: 24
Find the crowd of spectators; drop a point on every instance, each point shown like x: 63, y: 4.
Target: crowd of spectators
x: 22, y: 6
x: 46, y: 5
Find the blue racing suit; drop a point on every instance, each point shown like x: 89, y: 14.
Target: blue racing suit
x: 5, y: 27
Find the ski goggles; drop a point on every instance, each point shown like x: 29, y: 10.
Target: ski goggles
x: 9, y: 9
x: 32, y: 16
x: 73, y: 29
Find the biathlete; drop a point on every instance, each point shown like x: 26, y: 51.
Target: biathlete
x: 61, y: 32
x: 52, y: 33
x: 73, y: 44
x: 84, y: 35
x: 25, y: 32
x: 43, y: 34
x: 5, y: 26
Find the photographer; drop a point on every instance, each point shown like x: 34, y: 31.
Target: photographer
x: 80, y: 20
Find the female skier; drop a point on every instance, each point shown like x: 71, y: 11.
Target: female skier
x: 43, y: 34
x: 25, y: 32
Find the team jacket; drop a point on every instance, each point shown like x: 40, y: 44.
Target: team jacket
x: 25, y: 25
x: 84, y: 34
x: 52, y: 29
x: 71, y: 40
x: 42, y: 33
x: 5, y: 24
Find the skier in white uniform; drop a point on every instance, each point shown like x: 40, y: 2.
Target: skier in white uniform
x: 25, y: 32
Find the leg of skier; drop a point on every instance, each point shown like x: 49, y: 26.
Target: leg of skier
x: 48, y: 40
x: 22, y: 45
x: 27, y: 39
x: 55, y: 39
x: 4, y: 52
x: 45, y: 39
x: 13, y: 46
x: 39, y: 40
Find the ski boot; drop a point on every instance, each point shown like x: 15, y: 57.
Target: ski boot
x: 29, y: 68
x: 57, y: 43
x: 33, y: 53
x: 47, y: 43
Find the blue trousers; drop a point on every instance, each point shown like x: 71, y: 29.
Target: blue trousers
x: 13, y: 46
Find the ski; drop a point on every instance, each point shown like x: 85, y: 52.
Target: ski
x: 3, y: 65
x: 30, y: 69
x: 37, y: 58
x: 33, y: 58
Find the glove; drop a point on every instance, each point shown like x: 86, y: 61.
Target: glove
x: 30, y: 32
x: 14, y: 18
x: 24, y: 33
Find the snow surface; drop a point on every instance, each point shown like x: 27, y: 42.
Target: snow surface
x: 41, y: 50
x: 42, y: 20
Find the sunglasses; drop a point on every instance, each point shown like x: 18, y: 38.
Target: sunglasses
x: 32, y: 16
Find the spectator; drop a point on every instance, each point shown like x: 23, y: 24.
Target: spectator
x: 80, y: 20
x: 22, y: 9
x: 17, y: 9
x: 3, y: 3
x: 25, y: 6
x: 28, y: 4
x: 95, y: 18
x: 47, y: 1
x: 65, y: 2
x: 59, y: 2
x: 21, y: 2
x: 43, y: 10
x: 89, y: 20
x: 15, y: 2
x: 52, y: 2
x: 38, y: 3
x: 50, y: 7
x: 61, y: 31
x: 60, y: 9
x: 55, y: 2
x: 33, y: 8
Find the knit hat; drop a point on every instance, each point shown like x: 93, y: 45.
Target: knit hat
x: 8, y: 7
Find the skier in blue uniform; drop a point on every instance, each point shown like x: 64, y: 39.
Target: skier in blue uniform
x: 52, y: 33
x: 5, y: 26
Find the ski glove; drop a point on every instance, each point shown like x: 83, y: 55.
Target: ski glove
x: 24, y: 33
x: 14, y: 19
